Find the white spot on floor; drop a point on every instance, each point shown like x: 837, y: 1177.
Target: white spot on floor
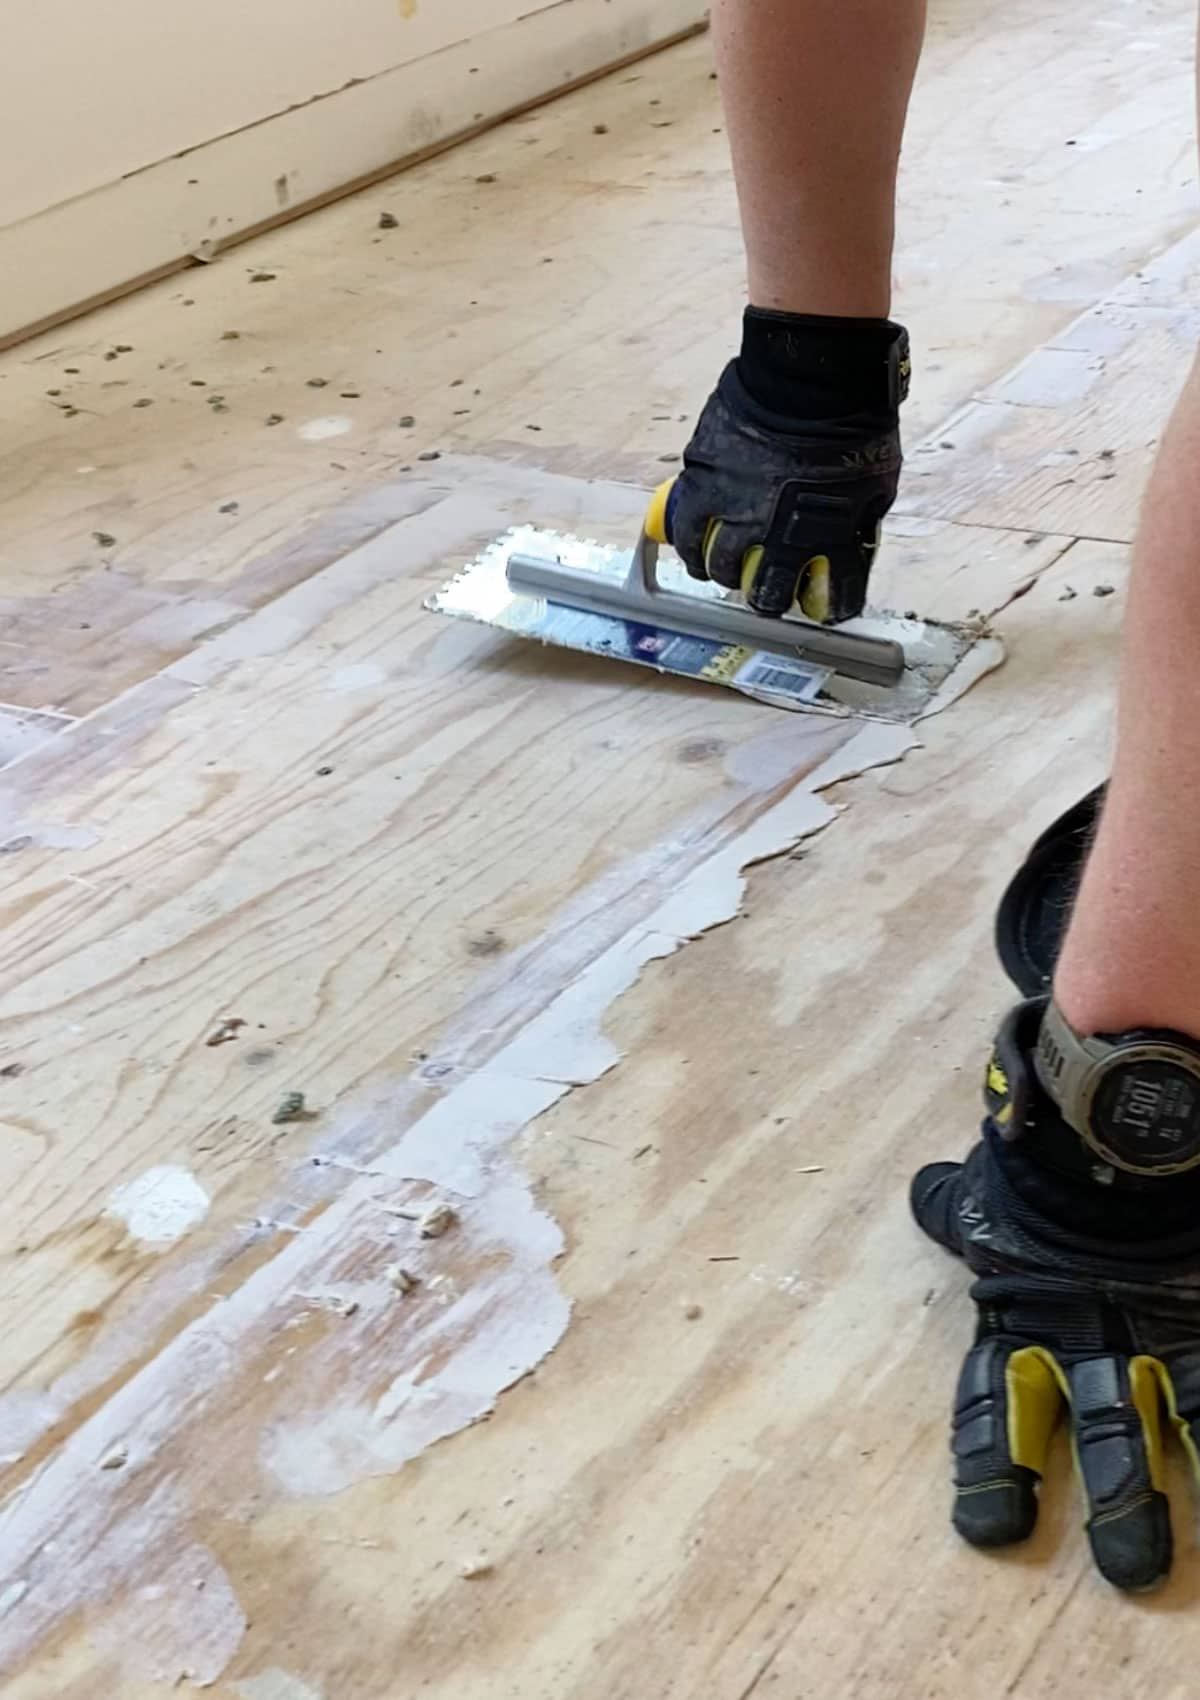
x: 330, y: 425
x: 25, y: 1415
x: 460, y: 1356
x: 358, y: 677
x: 160, y: 1206
x: 13, y: 1595
x: 179, y: 1627
x: 275, y: 1684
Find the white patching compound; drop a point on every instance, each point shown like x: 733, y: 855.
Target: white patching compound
x: 275, y: 1684
x: 331, y: 425
x: 160, y: 1206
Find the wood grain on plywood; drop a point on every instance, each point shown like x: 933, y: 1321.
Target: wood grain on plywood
x: 733, y: 1358
x: 1065, y: 442
x: 309, y: 838
x: 561, y: 291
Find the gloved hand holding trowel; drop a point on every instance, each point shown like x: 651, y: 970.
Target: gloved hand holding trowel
x: 794, y: 463
x: 1080, y: 1212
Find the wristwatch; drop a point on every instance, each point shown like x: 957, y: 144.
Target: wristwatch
x: 1133, y: 1098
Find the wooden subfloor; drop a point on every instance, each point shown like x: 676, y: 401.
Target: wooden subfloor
x: 664, y: 1413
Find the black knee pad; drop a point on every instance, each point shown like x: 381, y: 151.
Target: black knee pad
x: 1034, y: 911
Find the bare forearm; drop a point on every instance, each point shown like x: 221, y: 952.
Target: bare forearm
x: 1132, y: 957
x: 815, y: 95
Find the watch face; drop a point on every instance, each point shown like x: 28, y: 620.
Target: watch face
x: 1145, y: 1116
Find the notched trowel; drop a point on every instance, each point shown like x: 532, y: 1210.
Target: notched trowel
x: 642, y: 606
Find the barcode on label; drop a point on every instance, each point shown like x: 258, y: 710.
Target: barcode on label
x: 799, y: 680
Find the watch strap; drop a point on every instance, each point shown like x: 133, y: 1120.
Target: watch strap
x: 1064, y: 1062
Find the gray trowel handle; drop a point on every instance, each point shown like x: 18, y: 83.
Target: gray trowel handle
x: 877, y: 661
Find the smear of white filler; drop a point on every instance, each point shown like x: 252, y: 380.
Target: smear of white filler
x: 25, y: 1415
x: 47, y: 835
x: 178, y: 1622
x: 486, y: 1308
x: 275, y: 1684
x: 12, y: 1595
x: 358, y: 677
x: 160, y: 1206
x: 458, y: 1356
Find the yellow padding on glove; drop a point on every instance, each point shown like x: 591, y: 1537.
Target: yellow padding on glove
x: 751, y: 561
x: 1148, y: 1379
x: 656, y: 513
x: 1037, y: 1389
x: 997, y: 1084
x: 814, y: 584
x: 711, y: 533
x: 814, y: 589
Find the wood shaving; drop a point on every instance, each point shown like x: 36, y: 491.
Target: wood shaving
x: 434, y: 1222
x: 401, y: 1278
x: 226, y: 1029
x: 471, y: 1569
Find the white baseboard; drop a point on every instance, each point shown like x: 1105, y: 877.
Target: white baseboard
x: 83, y: 250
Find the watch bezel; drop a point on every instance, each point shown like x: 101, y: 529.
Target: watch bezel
x: 1125, y: 1051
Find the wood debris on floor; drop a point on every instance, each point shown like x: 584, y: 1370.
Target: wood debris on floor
x: 591, y: 1281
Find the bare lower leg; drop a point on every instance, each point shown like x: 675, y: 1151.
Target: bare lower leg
x: 1132, y: 955
x: 815, y: 95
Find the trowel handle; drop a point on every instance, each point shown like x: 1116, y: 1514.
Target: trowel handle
x: 657, y: 525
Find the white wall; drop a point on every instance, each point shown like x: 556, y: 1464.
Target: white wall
x: 270, y: 103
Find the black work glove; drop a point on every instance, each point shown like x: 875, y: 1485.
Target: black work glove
x: 794, y: 463
x: 1088, y: 1299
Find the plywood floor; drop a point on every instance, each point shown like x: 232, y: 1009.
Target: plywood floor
x: 665, y: 992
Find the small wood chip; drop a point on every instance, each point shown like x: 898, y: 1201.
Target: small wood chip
x: 225, y: 1030
x: 401, y: 1278
x: 388, y: 221
x: 105, y: 539
x: 471, y: 1569
x: 262, y: 277
x: 116, y: 1459
x: 1104, y: 590
x: 811, y: 1169
x: 433, y: 1224
x: 693, y: 1313
x: 273, y: 419
x: 228, y: 508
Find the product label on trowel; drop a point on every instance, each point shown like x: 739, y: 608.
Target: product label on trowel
x: 701, y: 658
x: 480, y: 592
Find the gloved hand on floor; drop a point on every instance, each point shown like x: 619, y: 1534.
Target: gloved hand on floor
x: 794, y: 462
x: 1087, y: 1295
